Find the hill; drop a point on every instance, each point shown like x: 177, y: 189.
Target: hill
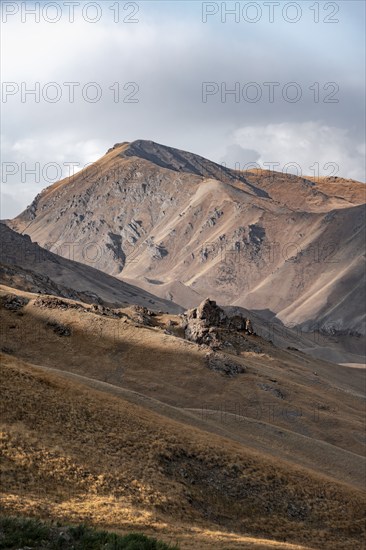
x: 113, y: 417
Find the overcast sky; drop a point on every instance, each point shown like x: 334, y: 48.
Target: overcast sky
x: 164, y: 72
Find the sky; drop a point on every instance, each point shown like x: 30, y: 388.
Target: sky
x: 273, y: 84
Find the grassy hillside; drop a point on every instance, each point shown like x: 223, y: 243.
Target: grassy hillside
x: 78, y: 455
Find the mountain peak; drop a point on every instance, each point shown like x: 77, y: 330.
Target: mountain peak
x: 182, y: 161
x: 171, y: 158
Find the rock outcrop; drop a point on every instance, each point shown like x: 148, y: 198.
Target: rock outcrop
x: 14, y: 302
x: 219, y: 362
x: 208, y: 324
x: 142, y: 316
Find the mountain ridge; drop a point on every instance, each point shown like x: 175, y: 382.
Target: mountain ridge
x: 258, y: 240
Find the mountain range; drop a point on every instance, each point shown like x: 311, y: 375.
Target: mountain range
x: 183, y: 228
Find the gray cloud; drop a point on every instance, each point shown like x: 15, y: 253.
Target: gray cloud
x: 169, y: 54
x: 237, y: 157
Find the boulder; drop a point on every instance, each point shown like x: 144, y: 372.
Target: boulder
x: 14, y: 302
x: 210, y: 313
x: 208, y: 324
x: 141, y: 315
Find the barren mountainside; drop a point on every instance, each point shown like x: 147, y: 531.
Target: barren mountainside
x: 183, y: 228
x: 27, y: 266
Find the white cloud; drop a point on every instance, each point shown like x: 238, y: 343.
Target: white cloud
x: 305, y: 144
x: 28, y: 167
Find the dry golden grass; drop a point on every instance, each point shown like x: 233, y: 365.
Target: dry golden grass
x: 77, y: 454
x: 111, y: 425
x: 168, y: 375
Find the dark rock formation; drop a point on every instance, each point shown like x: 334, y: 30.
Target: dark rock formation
x: 208, y: 324
x: 14, y: 302
x: 60, y: 330
x: 224, y: 364
x: 142, y: 316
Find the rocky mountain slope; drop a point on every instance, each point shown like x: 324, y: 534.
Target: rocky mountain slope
x: 184, y: 228
x: 27, y: 266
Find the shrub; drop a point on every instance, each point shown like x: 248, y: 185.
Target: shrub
x: 17, y: 532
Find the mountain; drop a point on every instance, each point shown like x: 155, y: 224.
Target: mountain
x: 183, y: 227
x: 27, y: 266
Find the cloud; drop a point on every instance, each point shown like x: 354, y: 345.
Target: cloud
x: 236, y: 156
x: 27, y: 168
x: 9, y: 206
x: 169, y: 54
x: 317, y: 149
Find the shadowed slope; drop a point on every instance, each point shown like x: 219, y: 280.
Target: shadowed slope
x: 25, y: 265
